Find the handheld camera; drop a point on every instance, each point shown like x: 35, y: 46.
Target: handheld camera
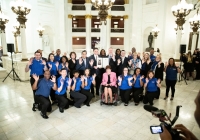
x: 163, y: 117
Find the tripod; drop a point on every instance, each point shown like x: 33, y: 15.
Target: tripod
x: 181, y: 75
x: 15, y: 76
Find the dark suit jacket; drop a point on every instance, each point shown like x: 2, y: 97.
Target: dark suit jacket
x: 72, y: 67
x: 92, y: 70
x: 113, y: 64
x: 159, y: 72
x: 121, y: 66
x: 82, y: 66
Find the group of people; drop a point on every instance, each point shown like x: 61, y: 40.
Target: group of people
x: 130, y: 75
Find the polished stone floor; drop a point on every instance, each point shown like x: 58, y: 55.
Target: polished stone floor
x: 19, y: 122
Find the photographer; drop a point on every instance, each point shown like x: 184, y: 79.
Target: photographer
x: 186, y: 134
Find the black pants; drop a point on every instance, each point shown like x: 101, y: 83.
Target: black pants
x: 98, y: 82
x: 125, y: 95
x: 62, y: 101
x: 52, y: 95
x: 136, y: 94
x: 78, y: 98
x: 170, y: 84
x: 198, y: 72
x: 148, y: 98
x: 32, y: 80
x: 44, y: 103
x: 88, y: 95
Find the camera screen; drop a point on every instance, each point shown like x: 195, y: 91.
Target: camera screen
x: 156, y: 129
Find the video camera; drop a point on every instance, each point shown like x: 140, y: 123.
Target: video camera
x: 161, y: 114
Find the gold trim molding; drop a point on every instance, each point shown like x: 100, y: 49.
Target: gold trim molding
x: 88, y: 16
x: 70, y: 16
x: 109, y: 16
x: 126, y: 1
x: 69, y: 1
x: 125, y: 16
x: 87, y: 1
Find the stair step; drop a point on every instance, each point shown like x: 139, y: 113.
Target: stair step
x: 3, y: 73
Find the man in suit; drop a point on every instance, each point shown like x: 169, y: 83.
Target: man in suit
x: 122, y: 62
x: 112, y: 61
x: 95, y: 70
x: 83, y: 63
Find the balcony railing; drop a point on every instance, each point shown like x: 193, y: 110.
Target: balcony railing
x: 78, y: 7
x: 79, y: 29
x: 117, y: 8
x: 117, y: 30
x: 95, y: 30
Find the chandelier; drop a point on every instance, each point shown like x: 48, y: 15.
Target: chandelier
x: 156, y: 30
x: 103, y: 6
x: 180, y: 11
x: 40, y: 30
x: 3, y: 20
x: 21, y: 8
x: 195, y: 22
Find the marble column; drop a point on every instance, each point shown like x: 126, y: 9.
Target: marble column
x: 69, y: 33
x: 178, y: 43
x: 126, y: 33
x: 23, y: 43
x: 194, y: 41
x: 108, y: 30
x: 4, y: 44
x: 88, y: 33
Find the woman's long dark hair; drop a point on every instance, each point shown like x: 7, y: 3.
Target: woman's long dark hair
x: 116, y: 52
x: 62, y: 58
x: 70, y: 55
x: 174, y: 65
x: 136, y: 70
x: 89, y: 72
x: 102, y: 51
x: 49, y: 57
x: 123, y: 72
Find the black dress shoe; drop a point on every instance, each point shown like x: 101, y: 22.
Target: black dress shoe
x: 44, y: 115
x: 34, y: 107
x: 61, y: 109
x: 77, y: 106
x: 88, y: 105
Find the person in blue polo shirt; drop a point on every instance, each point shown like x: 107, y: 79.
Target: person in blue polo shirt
x: 88, y: 81
x: 63, y: 64
x: 125, y: 86
x: 76, y: 85
x: 171, y: 77
x: 43, y: 87
x: 36, y: 66
x: 63, y: 83
x: 57, y: 56
x: 138, y: 84
x: 53, y: 68
x: 151, y: 85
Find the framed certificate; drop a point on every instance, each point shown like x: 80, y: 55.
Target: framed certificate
x: 102, y: 62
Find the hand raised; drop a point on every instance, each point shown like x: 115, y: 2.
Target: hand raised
x: 120, y: 78
x: 130, y: 78
x: 80, y: 60
x: 67, y: 64
x: 50, y: 65
x: 43, y: 62
x: 118, y: 61
x: 147, y: 80
x: 158, y: 81
x: 53, y: 79
x: 74, y: 79
x: 134, y: 76
x: 94, y: 76
x: 30, y: 62
x: 91, y: 62
x: 69, y: 81
x: 36, y: 78
x: 141, y: 77
x: 57, y: 64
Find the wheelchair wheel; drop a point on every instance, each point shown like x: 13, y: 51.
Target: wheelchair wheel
x: 115, y: 104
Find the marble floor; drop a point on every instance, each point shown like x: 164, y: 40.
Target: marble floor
x: 19, y: 122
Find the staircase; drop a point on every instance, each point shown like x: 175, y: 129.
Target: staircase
x: 3, y: 73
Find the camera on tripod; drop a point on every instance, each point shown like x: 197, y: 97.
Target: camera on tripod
x: 163, y: 117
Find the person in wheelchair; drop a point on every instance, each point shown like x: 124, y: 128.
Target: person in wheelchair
x: 109, y: 84
x: 125, y: 83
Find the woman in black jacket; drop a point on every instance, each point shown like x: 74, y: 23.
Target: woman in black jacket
x: 72, y: 63
x: 158, y: 67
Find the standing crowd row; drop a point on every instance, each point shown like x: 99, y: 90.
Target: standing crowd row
x: 130, y: 76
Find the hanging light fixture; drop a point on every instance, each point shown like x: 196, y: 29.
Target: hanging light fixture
x: 156, y: 30
x: 40, y: 30
x: 195, y: 22
x: 180, y: 11
x: 3, y: 20
x: 103, y: 6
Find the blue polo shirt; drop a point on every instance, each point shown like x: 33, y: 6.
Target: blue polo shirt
x: 37, y: 67
x: 44, y: 87
x: 57, y: 58
x: 171, y: 73
x: 78, y: 84
x: 61, y: 66
x: 152, y: 57
x: 152, y: 85
x: 65, y: 84
x: 53, y: 69
x: 137, y: 82
x: 124, y: 83
x: 89, y: 82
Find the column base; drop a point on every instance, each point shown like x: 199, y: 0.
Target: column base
x: 5, y: 55
x: 18, y: 52
x: 24, y: 59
